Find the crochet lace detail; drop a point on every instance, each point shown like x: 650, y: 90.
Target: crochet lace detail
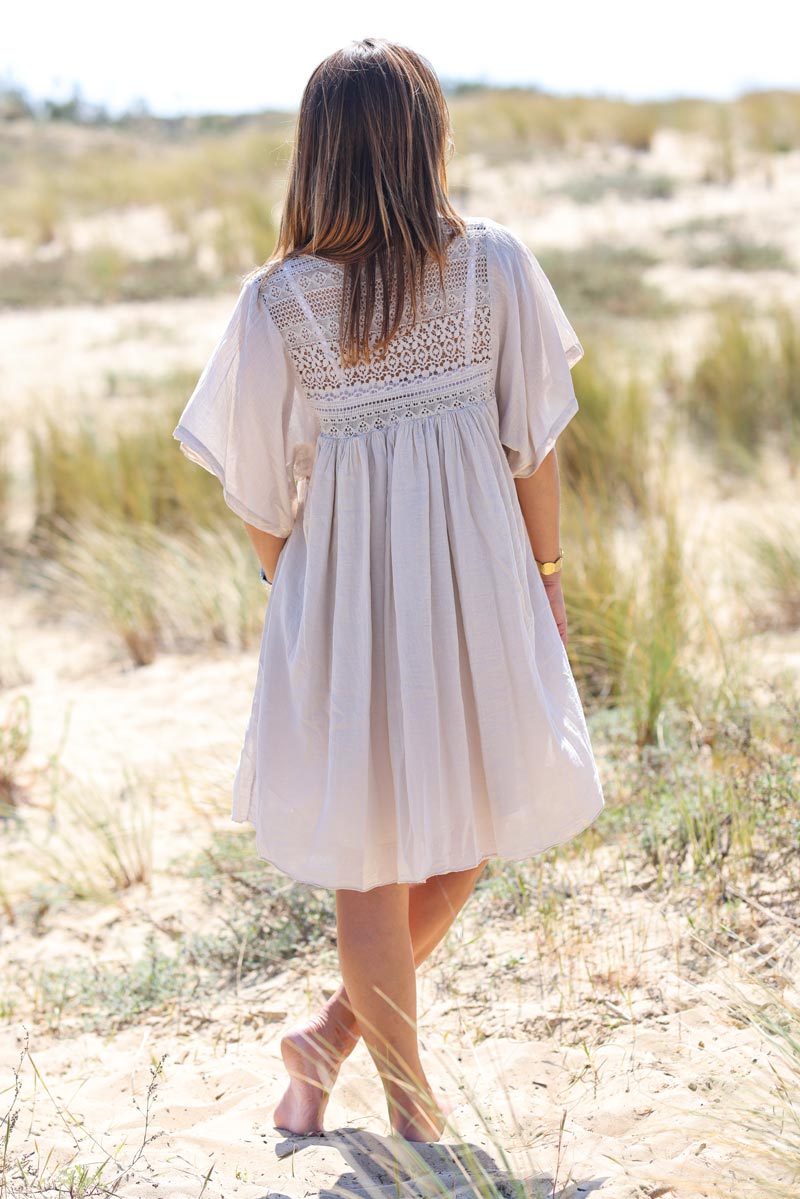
x: 437, y: 363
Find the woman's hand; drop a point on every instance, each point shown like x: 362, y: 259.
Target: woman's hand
x: 552, y: 585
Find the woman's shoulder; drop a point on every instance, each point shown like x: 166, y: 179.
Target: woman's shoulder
x: 501, y: 238
x: 277, y: 280
x: 503, y: 248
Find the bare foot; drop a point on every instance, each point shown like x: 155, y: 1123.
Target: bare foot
x: 444, y: 1102
x: 312, y: 1064
x: 424, y: 1124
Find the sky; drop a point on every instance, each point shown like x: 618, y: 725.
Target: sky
x: 243, y: 56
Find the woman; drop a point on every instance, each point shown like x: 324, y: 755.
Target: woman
x: 382, y: 412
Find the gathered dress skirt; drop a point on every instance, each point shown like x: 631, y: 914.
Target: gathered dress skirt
x: 414, y: 710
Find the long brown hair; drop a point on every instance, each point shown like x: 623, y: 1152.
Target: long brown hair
x: 368, y: 183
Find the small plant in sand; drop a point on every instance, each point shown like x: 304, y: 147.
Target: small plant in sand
x: 766, y: 1114
x: 715, y: 803
x: 786, y: 382
x: 631, y: 183
x: 133, y: 472
x: 156, y: 590
x: 745, y: 386
x: 15, y: 736
x: 267, y: 922
x: 103, y: 273
x: 68, y: 998
x: 5, y: 484
x: 736, y: 252
x: 100, y: 842
x: 605, y: 278
x: 607, y: 448
x: 84, y: 1170
x: 759, y: 1116
x: 634, y: 620
x: 773, y: 564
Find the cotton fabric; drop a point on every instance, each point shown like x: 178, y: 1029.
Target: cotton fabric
x: 414, y: 709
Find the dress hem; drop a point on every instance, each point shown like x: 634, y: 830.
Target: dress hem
x: 443, y: 868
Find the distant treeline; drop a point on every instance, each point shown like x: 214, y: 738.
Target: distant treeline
x: 767, y: 119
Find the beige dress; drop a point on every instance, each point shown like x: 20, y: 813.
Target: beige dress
x: 414, y: 709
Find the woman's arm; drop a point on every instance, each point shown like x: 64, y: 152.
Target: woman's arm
x: 267, y: 547
x: 540, y: 501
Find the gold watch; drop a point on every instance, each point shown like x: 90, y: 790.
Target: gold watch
x: 550, y: 568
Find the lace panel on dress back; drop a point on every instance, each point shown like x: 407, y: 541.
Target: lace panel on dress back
x: 438, y: 362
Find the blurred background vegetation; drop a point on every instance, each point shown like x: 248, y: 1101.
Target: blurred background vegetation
x: 117, y: 513
x: 217, y: 179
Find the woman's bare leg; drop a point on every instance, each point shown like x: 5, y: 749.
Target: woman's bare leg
x: 377, y: 962
x: 314, y: 1051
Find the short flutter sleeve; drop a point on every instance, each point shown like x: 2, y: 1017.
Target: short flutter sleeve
x: 248, y: 421
x: 535, y: 349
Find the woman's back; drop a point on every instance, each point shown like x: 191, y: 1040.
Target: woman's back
x: 441, y: 359
x: 494, y: 335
